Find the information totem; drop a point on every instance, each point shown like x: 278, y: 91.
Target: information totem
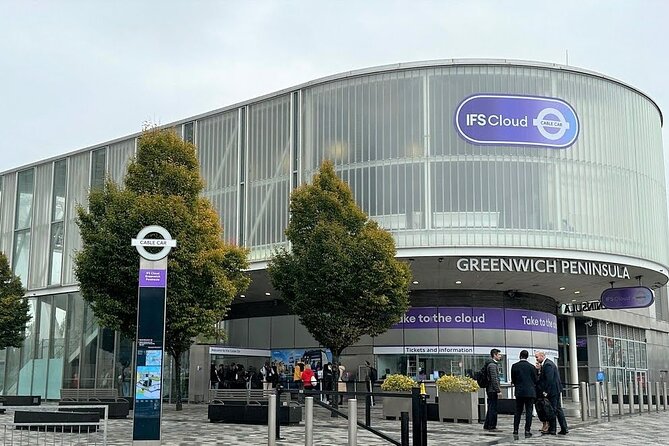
x: 151, y: 304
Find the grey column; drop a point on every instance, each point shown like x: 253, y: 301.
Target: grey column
x: 271, y: 421
x: 664, y: 394
x: 641, y: 392
x: 657, y: 396
x: 598, y: 400
x: 352, y: 422
x: 630, y: 387
x: 309, y: 421
x: 619, y: 388
x: 607, y: 390
x: 573, y: 360
x: 649, y: 393
x: 584, y: 402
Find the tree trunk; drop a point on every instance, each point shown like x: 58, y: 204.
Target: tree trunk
x: 335, y: 364
x: 177, y: 380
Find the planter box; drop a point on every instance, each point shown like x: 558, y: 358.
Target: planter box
x: 458, y: 407
x: 393, y: 407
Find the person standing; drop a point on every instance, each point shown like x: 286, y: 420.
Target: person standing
x: 341, y: 384
x: 265, y: 373
x: 372, y: 376
x: 493, y: 390
x: 550, y: 386
x: 524, y: 377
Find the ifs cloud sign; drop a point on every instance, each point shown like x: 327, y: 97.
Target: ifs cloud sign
x: 517, y: 120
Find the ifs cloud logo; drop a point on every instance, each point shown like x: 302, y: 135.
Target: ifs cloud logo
x: 517, y: 120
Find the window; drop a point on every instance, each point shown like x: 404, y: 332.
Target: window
x: 98, y: 167
x: 23, y: 223
x: 57, y: 221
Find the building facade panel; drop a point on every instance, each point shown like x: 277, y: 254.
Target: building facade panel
x: 119, y: 156
x: 7, y: 219
x: 77, y: 194
x: 39, y: 263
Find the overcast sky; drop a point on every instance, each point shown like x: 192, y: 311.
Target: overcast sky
x: 77, y: 73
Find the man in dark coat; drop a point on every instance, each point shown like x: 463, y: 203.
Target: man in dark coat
x: 551, y: 387
x: 524, y: 378
x: 493, y: 390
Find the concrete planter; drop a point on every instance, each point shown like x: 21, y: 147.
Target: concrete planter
x: 458, y: 407
x: 393, y: 407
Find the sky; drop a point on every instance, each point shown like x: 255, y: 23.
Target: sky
x: 78, y: 73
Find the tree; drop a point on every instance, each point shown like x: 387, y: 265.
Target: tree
x: 14, y: 310
x: 162, y: 187
x: 341, y: 276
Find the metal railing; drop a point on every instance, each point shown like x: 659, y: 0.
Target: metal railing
x: 54, y: 433
x: 605, y: 400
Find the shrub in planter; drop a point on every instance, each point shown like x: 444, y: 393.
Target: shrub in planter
x: 458, y: 398
x: 394, y: 406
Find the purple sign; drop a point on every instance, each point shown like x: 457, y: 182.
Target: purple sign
x: 496, y: 119
x: 477, y: 318
x: 627, y: 297
x: 152, y: 278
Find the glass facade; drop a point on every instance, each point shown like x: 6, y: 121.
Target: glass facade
x: 622, y: 351
x: 391, y: 136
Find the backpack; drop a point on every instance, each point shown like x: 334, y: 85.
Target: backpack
x: 481, y: 377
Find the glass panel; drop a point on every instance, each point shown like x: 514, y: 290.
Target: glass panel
x: 124, y: 366
x: 21, y: 251
x: 3, y: 356
x: 57, y: 352
x: 90, y: 343
x: 74, y: 322
x: 99, y: 167
x: 59, y: 189
x: 12, y: 371
x: 56, y: 252
x: 106, y: 359
x: 189, y: 132
x: 28, y: 351
x: 24, y: 200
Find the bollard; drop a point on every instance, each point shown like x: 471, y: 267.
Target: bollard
x: 641, y: 392
x: 630, y: 390
x: 368, y: 410
x: 649, y: 395
x: 584, y: 402
x: 607, y: 389
x: 352, y: 422
x: 309, y: 421
x: 664, y: 395
x: 404, y: 422
x: 619, y: 388
x: 657, y: 396
x: 598, y: 400
x: 271, y: 421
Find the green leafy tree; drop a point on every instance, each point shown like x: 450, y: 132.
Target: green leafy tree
x: 162, y: 187
x: 341, y: 276
x: 14, y: 310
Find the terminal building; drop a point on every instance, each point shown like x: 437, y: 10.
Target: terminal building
x: 517, y: 191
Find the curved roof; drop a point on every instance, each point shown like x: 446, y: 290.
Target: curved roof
x: 363, y: 72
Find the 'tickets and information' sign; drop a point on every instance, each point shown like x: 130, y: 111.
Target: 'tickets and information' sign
x: 478, y: 318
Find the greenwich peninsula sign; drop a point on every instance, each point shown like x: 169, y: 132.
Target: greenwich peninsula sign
x: 498, y: 119
x: 542, y: 265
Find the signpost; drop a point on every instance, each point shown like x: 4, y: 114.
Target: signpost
x: 151, y: 303
x: 627, y: 297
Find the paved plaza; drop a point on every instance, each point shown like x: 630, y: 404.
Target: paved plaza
x: 191, y: 427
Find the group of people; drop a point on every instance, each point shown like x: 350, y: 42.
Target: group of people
x: 536, y: 384
x: 235, y: 376
x: 307, y: 378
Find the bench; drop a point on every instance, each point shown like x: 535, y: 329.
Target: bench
x: 55, y: 421
x: 21, y: 400
x: 115, y: 408
x: 118, y: 407
x: 249, y: 406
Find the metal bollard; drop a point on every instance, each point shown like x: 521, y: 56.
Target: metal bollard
x: 641, y: 392
x: 664, y: 395
x: 309, y: 421
x: 630, y: 390
x: 598, y: 400
x: 584, y: 402
x: 404, y: 421
x: 649, y: 395
x: 607, y: 389
x: 271, y: 421
x: 619, y: 388
x: 352, y: 422
x: 657, y: 396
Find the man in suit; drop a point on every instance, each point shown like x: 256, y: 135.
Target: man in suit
x: 493, y: 390
x: 551, y: 387
x: 524, y: 377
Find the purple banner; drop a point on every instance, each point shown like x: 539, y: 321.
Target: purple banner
x: 152, y: 278
x: 627, y: 297
x: 517, y: 120
x: 478, y: 318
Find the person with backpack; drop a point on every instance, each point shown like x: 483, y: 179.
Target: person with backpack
x: 492, y: 388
